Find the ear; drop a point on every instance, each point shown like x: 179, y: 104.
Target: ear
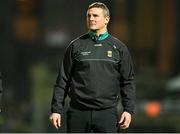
x: 107, y: 20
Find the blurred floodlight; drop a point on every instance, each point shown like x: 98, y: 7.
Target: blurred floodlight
x: 174, y: 84
x: 56, y: 38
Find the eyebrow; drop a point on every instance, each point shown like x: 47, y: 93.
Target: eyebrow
x: 92, y: 14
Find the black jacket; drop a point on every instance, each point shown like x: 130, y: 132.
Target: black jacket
x: 94, y: 73
x: 1, y: 89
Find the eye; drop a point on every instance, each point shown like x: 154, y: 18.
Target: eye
x: 88, y: 15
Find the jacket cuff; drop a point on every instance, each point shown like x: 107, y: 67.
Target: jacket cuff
x: 129, y: 111
x: 56, y: 111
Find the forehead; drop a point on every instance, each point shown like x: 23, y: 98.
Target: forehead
x: 95, y: 10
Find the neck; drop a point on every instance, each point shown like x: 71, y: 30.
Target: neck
x: 98, y: 32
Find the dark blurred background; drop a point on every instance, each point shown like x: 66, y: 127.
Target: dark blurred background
x: 33, y: 37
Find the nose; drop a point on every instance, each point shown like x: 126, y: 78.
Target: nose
x: 91, y: 18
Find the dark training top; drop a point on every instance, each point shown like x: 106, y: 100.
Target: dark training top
x: 95, y: 72
x: 0, y: 91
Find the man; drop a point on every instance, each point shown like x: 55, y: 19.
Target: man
x: 96, y: 68
x: 0, y: 90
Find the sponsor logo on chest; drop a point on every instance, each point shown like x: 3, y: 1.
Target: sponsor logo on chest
x: 98, y: 45
x: 85, y: 53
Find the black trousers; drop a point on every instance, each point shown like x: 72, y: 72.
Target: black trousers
x: 97, y: 121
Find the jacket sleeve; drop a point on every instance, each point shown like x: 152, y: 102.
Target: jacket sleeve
x: 62, y: 82
x: 127, y: 82
x: 1, y: 90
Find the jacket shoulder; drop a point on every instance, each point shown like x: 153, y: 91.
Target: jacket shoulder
x: 119, y: 44
x: 77, y: 41
x: 80, y: 38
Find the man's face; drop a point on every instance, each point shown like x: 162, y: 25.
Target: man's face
x: 96, y: 20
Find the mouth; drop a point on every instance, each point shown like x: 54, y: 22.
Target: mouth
x: 92, y: 24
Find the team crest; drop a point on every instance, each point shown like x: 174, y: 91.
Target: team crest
x: 109, y: 53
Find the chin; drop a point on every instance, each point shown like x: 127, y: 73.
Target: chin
x: 93, y: 29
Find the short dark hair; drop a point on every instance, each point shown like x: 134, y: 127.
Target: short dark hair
x: 102, y: 6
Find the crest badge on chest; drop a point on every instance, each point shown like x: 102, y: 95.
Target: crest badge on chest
x: 109, y: 53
